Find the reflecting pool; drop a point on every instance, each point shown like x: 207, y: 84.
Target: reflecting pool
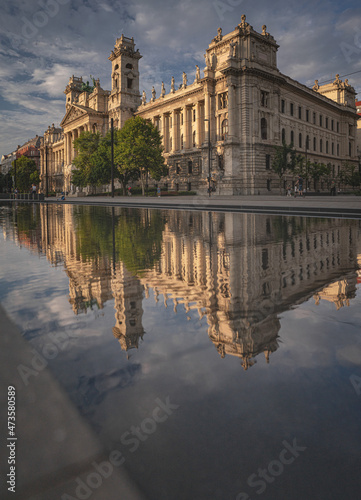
x: 220, y: 352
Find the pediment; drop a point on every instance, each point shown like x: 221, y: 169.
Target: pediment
x: 72, y: 114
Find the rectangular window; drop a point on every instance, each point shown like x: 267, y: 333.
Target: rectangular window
x: 299, y: 112
x: 194, y: 115
x: 326, y: 125
x: 338, y: 127
x: 283, y: 106
x: 291, y: 109
x: 321, y: 121
x: 332, y: 124
x: 268, y: 162
x: 223, y: 100
x: 307, y: 115
x: 264, y: 99
x: 314, y: 118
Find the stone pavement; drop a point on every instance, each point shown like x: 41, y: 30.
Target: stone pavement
x: 322, y: 206
x: 55, y: 448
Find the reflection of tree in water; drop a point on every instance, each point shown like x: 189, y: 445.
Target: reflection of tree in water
x: 137, y: 235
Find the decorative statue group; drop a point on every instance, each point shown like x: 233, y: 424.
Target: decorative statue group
x: 172, y: 86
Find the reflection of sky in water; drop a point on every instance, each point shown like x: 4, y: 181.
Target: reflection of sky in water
x: 230, y: 422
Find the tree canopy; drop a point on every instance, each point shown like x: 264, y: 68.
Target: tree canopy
x: 139, y: 150
x: 26, y: 173
x: 284, y: 160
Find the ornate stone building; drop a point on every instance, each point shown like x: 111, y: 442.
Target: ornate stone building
x: 222, y: 126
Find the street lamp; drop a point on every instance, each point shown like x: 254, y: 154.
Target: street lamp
x: 209, y: 155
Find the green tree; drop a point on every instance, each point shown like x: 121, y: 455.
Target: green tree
x: 139, y: 151
x: 26, y: 173
x: 319, y: 170
x: 285, y: 160
x: 349, y: 175
x: 92, y: 161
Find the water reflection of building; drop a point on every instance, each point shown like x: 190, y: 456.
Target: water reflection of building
x: 239, y: 271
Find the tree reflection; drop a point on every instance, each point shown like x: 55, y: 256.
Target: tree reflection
x: 137, y: 235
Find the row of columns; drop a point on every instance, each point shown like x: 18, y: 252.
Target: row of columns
x: 69, y: 138
x: 179, y: 122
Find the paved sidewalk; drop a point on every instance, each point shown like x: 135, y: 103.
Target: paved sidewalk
x: 55, y: 448
x: 323, y: 206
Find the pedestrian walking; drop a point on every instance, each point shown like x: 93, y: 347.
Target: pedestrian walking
x: 158, y: 192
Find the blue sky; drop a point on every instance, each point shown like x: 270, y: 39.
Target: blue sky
x: 44, y: 42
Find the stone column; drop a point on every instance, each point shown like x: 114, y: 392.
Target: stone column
x: 187, y: 128
x: 166, y: 132
x: 199, y: 125
x: 231, y: 111
x: 207, y: 116
x: 174, y: 130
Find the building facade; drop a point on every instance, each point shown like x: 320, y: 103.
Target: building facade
x: 220, y: 129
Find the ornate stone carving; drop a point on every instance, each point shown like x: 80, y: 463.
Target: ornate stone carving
x: 162, y: 92
x: 198, y: 73
x: 316, y: 86
x: 219, y: 36
x: 184, y: 80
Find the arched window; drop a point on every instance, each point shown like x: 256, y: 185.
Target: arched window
x: 292, y: 137
x: 326, y: 146
x: 224, y: 129
x: 129, y: 66
x: 320, y: 145
x: 190, y: 167
x: 349, y: 149
x: 314, y: 144
x: 300, y: 140
x: 283, y: 135
x: 263, y: 128
x: 307, y: 142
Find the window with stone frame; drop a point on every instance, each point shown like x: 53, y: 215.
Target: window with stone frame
x: 190, y: 167
x: 223, y: 100
x: 224, y: 131
x: 194, y: 115
x: 194, y: 139
x: 264, y: 98
x: 177, y: 168
x: 268, y: 162
x: 263, y: 128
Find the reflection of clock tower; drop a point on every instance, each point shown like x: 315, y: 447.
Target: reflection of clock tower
x: 124, y: 98
x: 128, y: 295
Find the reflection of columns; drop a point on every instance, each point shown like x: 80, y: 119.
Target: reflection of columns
x: 174, y: 130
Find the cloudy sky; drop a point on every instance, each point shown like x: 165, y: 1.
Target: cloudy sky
x: 44, y: 42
